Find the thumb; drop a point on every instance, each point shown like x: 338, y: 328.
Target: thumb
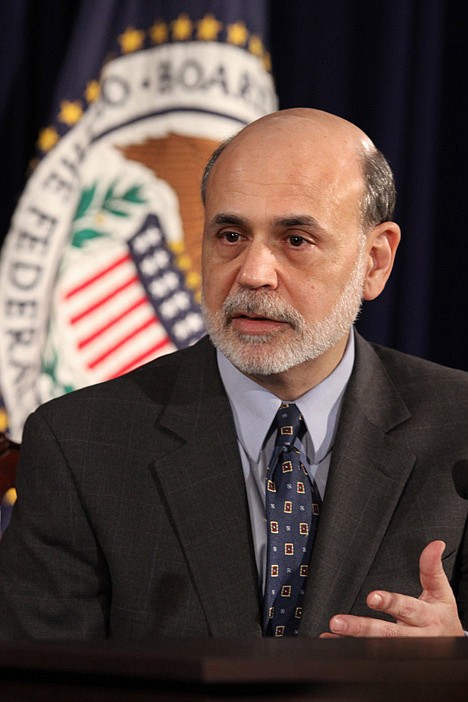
x: 432, y: 575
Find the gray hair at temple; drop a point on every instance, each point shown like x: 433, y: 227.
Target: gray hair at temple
x: 378, y: 202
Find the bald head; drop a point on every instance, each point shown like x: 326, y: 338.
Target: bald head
x: 324, y: 130
x: 343, y: 151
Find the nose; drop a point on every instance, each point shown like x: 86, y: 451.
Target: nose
x: 258, y: 267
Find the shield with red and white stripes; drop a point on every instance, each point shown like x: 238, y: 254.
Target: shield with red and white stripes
x: 124, y: 311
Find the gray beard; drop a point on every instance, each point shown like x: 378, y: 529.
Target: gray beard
x: 278, y: 351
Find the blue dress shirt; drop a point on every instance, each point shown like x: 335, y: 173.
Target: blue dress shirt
x: 254, y: 409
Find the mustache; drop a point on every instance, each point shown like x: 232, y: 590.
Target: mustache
x: 260, y: 304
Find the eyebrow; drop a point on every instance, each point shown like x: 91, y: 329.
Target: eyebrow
x: 290, y: 221
x: 228, y: 218
x: 297, y: 221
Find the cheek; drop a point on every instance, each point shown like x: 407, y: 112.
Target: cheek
x: 311, y: 298
x: 216, y: 285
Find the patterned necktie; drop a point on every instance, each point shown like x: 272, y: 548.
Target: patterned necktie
x: 292, y: 512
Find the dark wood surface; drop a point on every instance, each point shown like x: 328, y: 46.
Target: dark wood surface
x: 217, y: 669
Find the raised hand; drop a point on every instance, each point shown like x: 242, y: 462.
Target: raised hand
x: 434, y: 613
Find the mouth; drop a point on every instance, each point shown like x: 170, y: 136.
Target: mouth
x: 246, y: 323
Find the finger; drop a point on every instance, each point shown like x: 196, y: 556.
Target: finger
x: 432, y: 575
x: 328, y: 635
x: 350, y: 625
x: 404, y: 609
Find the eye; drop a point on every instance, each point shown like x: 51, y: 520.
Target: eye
x: 296, y: 240
x: 229, y: 236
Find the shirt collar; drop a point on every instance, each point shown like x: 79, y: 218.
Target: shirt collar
x: 254, y: 407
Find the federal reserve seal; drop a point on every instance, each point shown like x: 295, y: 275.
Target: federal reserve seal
x: 101, y: 269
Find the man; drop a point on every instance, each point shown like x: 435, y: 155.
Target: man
x: 161, y: 525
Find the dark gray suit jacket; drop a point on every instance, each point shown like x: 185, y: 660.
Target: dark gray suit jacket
x: 132, y: 519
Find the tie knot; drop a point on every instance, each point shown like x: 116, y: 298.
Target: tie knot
x: 289, y: 424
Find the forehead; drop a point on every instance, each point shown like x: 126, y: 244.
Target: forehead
x: 279, y: 174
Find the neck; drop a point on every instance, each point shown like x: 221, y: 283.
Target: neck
x: 298, y: 380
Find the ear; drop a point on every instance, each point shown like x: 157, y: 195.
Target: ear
x: 381, y: 245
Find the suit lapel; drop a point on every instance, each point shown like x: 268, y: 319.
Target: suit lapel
x: 199, y: 473
x: 368, y: 472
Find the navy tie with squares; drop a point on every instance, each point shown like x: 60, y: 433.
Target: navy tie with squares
x: 292, y: 512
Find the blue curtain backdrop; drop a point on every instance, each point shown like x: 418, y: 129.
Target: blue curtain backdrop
x: 398, y: 68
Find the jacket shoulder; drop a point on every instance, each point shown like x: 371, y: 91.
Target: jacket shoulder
x: 404, y: 367
x: 424, y: 383
x: 153, y: 380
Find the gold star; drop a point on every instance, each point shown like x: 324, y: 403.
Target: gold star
x: 182, y: 28
x: 10, y: 497
x: 237, y: 34
x: 70, y: 112
x: 131, y: 40
x: 267, y: 62
x: 183, y: 262
x: 48, y: 137
x: 92, y: 90
x: 193, y: 280
x: 256, y: 45
x: 3, y: 419
x: 177, y: 247
x: 158, y: 32
x: 208, y: 28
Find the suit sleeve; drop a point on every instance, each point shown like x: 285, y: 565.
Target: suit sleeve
x: 54, y: 581
x: 459, y: 581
